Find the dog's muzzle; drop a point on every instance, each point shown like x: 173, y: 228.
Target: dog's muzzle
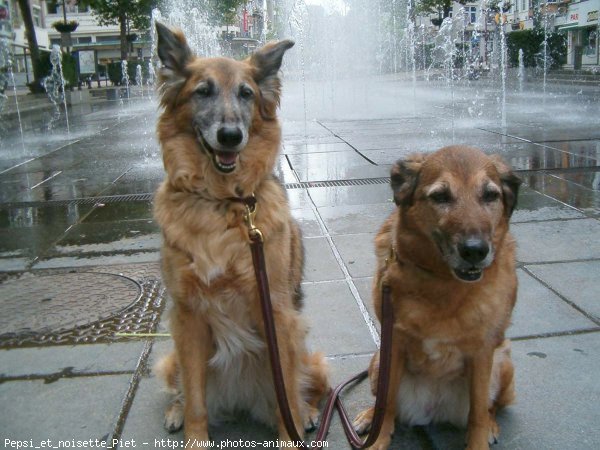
x: 474, y: 256
x: 225, y: 158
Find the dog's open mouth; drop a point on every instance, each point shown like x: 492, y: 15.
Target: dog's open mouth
x: 224, y: 162
x: 472, y: 274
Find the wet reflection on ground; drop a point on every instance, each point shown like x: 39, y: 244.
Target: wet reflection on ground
x: 111, y: 152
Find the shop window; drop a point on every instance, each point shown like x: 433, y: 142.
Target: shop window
x: 36, y: 13
x: 472, y: 14
x: 590, y: 41
x: 52, y: 7
x: 107, y: 38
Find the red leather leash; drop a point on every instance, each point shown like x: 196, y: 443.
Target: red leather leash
x: 333, y: 400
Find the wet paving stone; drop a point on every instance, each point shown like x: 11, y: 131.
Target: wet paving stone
x: 120, y: 211
x: 576, y: 281
x: 298, y: 199
x: 549, y: 373
x: 311, y: 162
x: 565, y: 191
x: 324, y: 303
x: 94, y: 259
x: 353, y: 219
x: 320, y: 263
x: 540, y: 311
x: 80, y: 408
x: 31, y: 241
x: 75, y: 359
x: 293, y: 149
x: 587, y: 179
x: 554, y: 241
x: 284, y: 172
x: 534, y: 206
x: 351, y: 195
x: 308, y: 222
x: 120, y: 236
x: 357, y: 251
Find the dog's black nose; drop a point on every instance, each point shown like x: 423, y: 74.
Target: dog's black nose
x: 473, y: 250
x: 229, y: 136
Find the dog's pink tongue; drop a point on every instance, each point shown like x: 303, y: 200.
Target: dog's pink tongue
x: 227, y: 158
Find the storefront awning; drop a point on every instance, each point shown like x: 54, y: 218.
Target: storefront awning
x: 571, y: 26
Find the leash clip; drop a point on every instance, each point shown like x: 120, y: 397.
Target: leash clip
x: 391, y: 257
x: 249, y: 216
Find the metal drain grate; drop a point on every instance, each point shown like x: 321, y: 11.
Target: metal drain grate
x: 132, y: 306
x: 337, y: 183
x: 145, y: 197
x: 148, y: 196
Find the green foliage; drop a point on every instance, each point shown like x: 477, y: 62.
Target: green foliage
x: 225, y: 11
x: 531, y: 41
x: 115, y: 73
x: 441, y: 7
x: 110, y: 12
x: 65, y: 27
x: 69, y: 68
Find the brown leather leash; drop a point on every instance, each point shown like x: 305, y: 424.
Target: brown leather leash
x: 333, y: 400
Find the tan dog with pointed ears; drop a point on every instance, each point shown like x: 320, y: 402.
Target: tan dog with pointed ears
x: 220, y: 139
x: 449, y: 259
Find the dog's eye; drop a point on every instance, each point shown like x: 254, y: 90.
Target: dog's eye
x: 204, y: 90
x: 440, y: 197
x: 246, y: 93
x: 490, y: 196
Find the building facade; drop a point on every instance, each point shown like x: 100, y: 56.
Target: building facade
x: 582, y: 29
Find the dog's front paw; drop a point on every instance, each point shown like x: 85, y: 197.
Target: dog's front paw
x: 481, y: 438
x: 382, y: 443
x: 362, y: 422
x: 494, y: 433
x: 174, y: 417
x: 312, y: 419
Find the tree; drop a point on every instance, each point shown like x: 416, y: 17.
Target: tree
x: 225, y: 11
x: 125, y: 13
x: 34, y: 51
x: 441, y: 7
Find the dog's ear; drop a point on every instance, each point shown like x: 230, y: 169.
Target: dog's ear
x: 173, y: 51
x: 510, y: 185
x: 405, y: 177
x: 267, y: 62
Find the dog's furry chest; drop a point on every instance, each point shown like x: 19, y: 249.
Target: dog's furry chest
x: 435, y: 358
x: 213, y: 254
x: 234, y: 334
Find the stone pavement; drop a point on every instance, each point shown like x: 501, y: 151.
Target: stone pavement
x: 79, y: 257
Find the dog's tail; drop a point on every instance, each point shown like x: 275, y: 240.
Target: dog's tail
x: 506, y: 394
x: 318, y: 377
x: 167, y: 368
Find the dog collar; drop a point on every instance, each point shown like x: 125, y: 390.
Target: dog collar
x: 393, y: 258
x: 249, y: 201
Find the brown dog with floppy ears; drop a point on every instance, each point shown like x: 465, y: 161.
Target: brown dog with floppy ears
x: 220, y: 139
x: 449, y: 258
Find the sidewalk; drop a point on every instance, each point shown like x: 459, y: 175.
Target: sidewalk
x: 79, y: 259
